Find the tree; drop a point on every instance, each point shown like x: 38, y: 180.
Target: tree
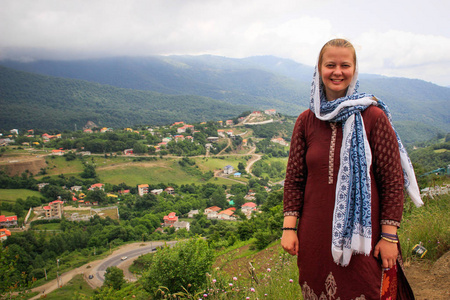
x: 114, y: 278
x: 183, y: 266
x: 88, y: 172
x: 139, y: 148
x: 241, y: 167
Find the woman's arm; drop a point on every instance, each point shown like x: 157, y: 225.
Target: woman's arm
x: 289, y: 239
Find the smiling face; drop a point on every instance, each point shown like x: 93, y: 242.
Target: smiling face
x: 336, y: 69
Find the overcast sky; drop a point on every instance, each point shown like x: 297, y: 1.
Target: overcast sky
x: 406, y: 38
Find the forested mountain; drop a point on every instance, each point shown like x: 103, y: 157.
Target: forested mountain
x: 262, y: 82
x: 36, y: 101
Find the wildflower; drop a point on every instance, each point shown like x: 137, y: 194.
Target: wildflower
x: 235, y: 278
x: 268, y: 270
x: 247, y: 298
x: 205, y: 295
x: 214, y: 281
x: 252, y: 290
x: 230, y: 284
x: 291, y: 281
x: 265, y: 295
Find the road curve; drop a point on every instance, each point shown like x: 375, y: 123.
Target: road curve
x: 98, y: 268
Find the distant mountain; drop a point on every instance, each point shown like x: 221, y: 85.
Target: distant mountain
x: 30, y: 101
x: 259, y: 82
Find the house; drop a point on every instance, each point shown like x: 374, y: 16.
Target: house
x: 166, y: 140
x: 41, y: 185
x: 170, y: 190
x: 97, y: 186
x: 248, y: 208
x: 76, y: 188
x: 128, y: 151
x: 142, y: 189
x: 193, y: 213
x: 179, y: 137
x: 229, y: 122
x: 237, y: 174
x: 228, y: 169
x: 58, y: 152
x: 4, y: 234
x: 14, y: 131
x: 8, y: 221
x: 221, y: 132
x: 280, y: 141
x: 212, y: 139
x: 226, y: 214
x: 54, y: 210
x: 211, y: 212
x: 156, y: 191
x: 181, y: 225
x: 88, y: 130
x: 270, y: 112
x: 170, y: 219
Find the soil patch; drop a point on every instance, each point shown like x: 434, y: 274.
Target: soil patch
x: 19, y: 164
x: 430, y: 281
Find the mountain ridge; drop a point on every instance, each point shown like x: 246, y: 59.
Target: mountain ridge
x: 259, y: 82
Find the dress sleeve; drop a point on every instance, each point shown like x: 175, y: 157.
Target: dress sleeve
x: 296, y: 172
x: 388, y: 171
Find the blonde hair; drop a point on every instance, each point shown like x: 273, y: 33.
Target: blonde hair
x: 336, y: 43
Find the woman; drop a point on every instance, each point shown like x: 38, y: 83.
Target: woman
x: 344, y: 184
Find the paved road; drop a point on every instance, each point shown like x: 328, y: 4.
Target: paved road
x: 98, y: 268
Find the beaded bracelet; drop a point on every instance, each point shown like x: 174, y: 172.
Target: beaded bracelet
x: 289, y: 228
x: 389, y: 240
x: 390, y: 235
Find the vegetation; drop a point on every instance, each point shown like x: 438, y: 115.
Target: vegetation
x: 201, y: 264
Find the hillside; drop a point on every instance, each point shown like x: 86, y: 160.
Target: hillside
x: 256, y: 83
x: 38, y: 101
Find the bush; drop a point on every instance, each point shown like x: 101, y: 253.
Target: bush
x: 180, y: 268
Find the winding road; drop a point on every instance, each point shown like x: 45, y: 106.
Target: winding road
x: 98, y: 268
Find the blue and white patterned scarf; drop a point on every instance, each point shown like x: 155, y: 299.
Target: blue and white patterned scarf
x: 352, y: 217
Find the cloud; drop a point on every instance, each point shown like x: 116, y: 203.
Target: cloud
x: 405, y: 54
x: 296, y: 29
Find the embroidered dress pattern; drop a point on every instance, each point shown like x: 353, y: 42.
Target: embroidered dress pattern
x: 330, y: 288
x: 331, y: 155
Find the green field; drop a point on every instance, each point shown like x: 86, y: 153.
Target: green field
x: 11, y: 195
x: 58, y: 165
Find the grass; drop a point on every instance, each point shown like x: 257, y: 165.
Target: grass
x: 49, y: 226
x: 250, y: 274
x: 57, y: 165
x: 216, y: 163
x: 11, y: 195
x: 134, y: 173
x: 77, y: 288
x: 428, y: 225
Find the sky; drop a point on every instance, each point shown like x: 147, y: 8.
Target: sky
x: 401, y: 38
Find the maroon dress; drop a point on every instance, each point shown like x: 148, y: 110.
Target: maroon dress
x: 309, y: 193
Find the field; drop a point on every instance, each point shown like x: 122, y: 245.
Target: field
x: 10, y: 195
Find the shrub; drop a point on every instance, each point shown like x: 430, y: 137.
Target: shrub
x: 180, y: 268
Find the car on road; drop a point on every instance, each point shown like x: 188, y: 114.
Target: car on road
x: 124, y: 257
x: 91, y: 276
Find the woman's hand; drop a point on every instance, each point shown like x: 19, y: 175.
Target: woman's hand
x: 388, y: 252
x: 289, y: 242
